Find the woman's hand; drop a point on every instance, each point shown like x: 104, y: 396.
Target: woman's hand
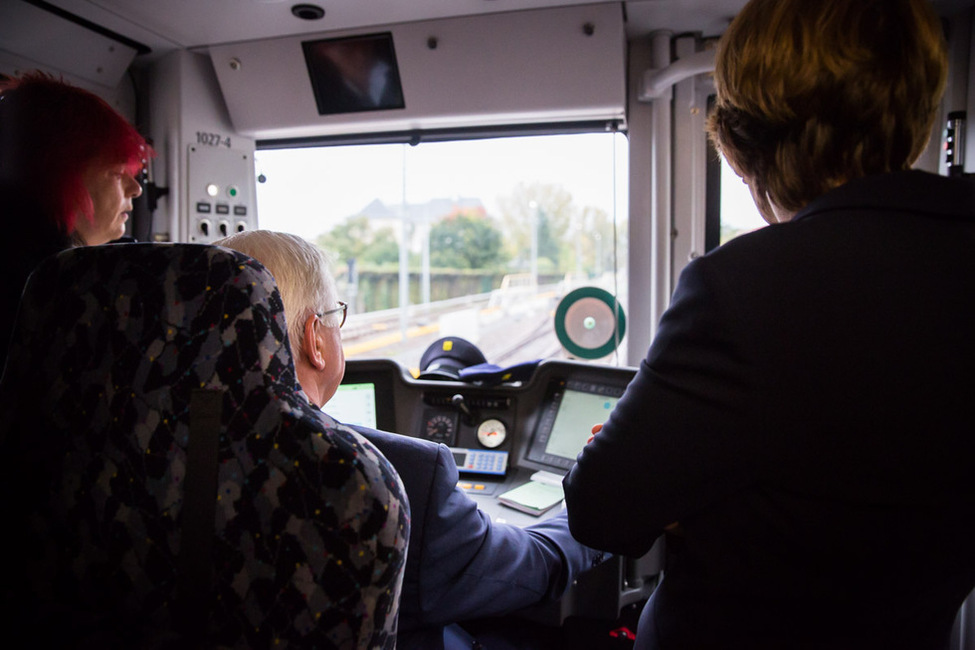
x: 596, y: 428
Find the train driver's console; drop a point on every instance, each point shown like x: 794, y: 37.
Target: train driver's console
x: 513, y: 443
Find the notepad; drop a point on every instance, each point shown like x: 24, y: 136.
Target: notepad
x: 534, y: 497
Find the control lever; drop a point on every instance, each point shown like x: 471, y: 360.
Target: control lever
x: 458, y: 401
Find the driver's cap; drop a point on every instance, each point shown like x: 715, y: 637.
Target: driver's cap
x: 446, y: 357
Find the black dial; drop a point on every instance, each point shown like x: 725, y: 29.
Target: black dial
x: 440, y: 427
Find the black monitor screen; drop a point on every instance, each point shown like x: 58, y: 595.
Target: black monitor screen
x: 568, y: 413
x: 357, y: 73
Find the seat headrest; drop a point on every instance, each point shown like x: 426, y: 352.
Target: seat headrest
x: 180, y: 306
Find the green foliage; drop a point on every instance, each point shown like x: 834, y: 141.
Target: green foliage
x: 549, y: 208
x: 595, y: 247
x: 355, y: 239
x: 465, y: 240
x: 569, y: 238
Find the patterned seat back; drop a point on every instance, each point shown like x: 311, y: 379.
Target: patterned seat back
x: 114, y: 346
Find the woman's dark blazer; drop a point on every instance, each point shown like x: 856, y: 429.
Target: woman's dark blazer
x: 806, y: 412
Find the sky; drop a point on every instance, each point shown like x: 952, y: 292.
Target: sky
x: 737, y: 206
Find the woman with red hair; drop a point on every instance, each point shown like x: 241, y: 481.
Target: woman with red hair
x: 68, y: 168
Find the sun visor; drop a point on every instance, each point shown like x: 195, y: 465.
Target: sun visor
x: 42, y: 39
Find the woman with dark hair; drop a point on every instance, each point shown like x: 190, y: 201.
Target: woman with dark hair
x: 68, y: 168
x: 801, y: 428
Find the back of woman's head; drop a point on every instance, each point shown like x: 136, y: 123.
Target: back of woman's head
x: 50, y: 133
x: 812, y: 94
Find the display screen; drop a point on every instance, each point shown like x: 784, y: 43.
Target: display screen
x: 570, y: 410
x: 577, y: 412
x: 354, y: 404
x: 353, y: 74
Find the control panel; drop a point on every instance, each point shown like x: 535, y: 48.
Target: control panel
x: 500, y: 434
x: 220, y: 193
x: 512, y: 444
x: 475, y: 422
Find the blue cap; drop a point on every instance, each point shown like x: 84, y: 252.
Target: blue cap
x: 490, y: 374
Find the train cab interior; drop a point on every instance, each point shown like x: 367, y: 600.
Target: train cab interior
x: 248, y: 112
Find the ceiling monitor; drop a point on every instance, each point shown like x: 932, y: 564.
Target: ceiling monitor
x: 354, y: 73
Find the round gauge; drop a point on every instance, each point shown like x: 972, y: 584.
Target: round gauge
x: 440, y: 428
x: 491, y: 433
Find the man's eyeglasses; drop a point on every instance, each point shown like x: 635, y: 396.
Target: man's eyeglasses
x: 343, y: 307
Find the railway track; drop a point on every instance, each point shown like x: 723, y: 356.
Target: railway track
x: 505, y: 336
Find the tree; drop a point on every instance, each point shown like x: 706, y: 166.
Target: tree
x: 354, y: 238
x: 465, y: 240
x: 549, y: 208
x: 595, y: 242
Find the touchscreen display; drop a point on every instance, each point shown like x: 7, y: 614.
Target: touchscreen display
x: 354, y: 404
x: 576, y: 414
x: 565, y: 423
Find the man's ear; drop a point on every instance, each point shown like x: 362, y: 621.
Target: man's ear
x: 312, y: 344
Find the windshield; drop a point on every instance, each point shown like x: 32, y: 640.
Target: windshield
x: 474, y: 238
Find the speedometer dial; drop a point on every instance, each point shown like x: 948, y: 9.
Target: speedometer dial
x: 491, y: 433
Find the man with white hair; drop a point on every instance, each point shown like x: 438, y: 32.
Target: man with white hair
x: 460, y: 565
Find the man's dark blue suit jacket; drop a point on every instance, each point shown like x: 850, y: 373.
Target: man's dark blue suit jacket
x: 461, y: 565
